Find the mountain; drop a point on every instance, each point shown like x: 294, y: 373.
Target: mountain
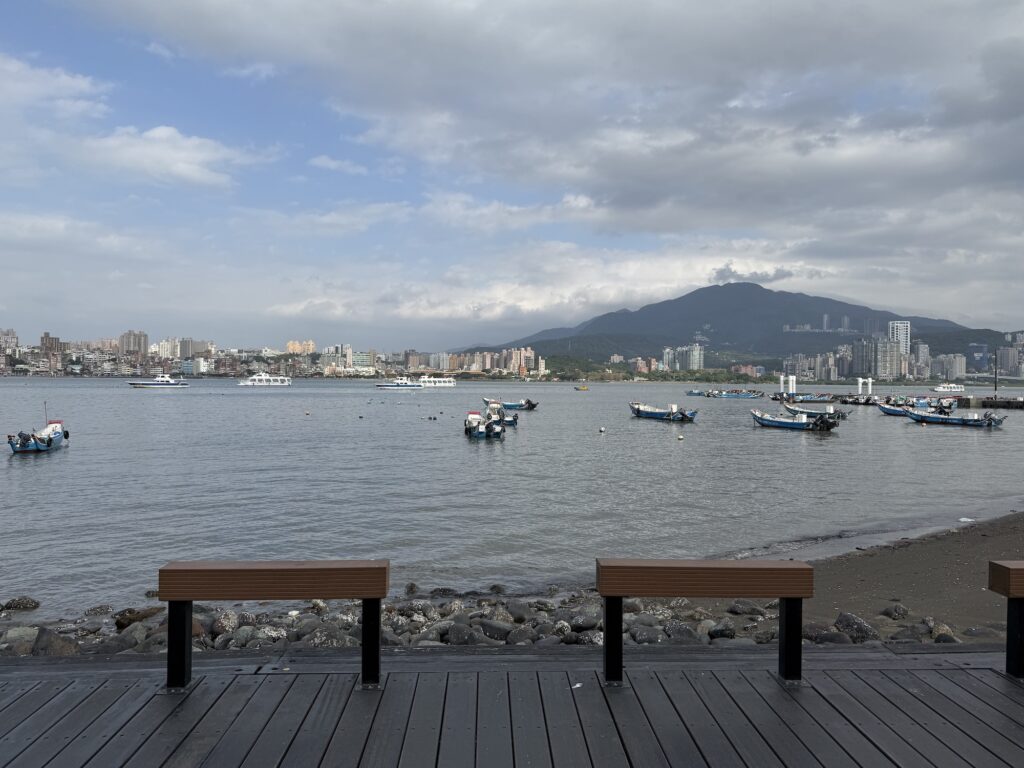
x: 741, y: 318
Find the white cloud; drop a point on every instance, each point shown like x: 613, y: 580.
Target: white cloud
x: 161, y: 50
x: 55, y: 91
x: 165, y: 155
x: 257, y: 71
x: 342, y: 166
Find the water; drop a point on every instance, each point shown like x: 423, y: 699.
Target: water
x: 221, y: 471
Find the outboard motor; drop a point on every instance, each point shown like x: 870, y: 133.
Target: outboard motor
x: 24, y: 439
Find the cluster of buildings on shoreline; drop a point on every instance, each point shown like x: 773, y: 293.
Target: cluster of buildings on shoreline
x: 132, y: 354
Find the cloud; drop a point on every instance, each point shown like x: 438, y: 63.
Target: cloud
x: 161, y: 50
x: 165, y: 155
x: 342, y: 166
x: 728, y: 274
x: 52, y: 91
x: 257, y: 71
x: 341, y: 219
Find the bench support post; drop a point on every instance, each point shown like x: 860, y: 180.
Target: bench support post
x: 791, y: 611
x: 371, y: 641
x: 1015, y: 636
x: 612, y: 640
x: 179, y: 643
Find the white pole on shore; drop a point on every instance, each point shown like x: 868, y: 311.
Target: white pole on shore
x: 792, y: 385
x: 782, y: 383
x: 870, y: 383
x: 860, y: 386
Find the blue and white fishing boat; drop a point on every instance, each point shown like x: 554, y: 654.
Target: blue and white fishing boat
x: 47, y: 439
x: 522, y: 405
x: 743, y: 394
x: 987, y: 419
x: 811, y: 397
x: 796, y: 410
x: 696, y: 393
x: 400, y: 382
x: 822, y: 423
x: 496, y: 412
x: 162, y: 381
x: 893, y: 410
x: 672, y: 413
x: 484, y: 426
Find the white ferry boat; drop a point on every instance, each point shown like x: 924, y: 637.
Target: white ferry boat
x: 266, y: 380
x: 437, y: 381
x: 947, y: 387
x: 401, y: 382
x: 163, y: 381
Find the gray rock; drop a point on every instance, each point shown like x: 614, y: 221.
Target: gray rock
x: 704, y: 627
x: 723, y: 629
x: 764, y: 636
x: 731, y: 642
x: 561, y: 628
x: 643, y: 634
x: 590, y: 637
x: 390, y: 639
x: 581, y: 622
x: 519, y: 610
x: 307, y: 627
x: 644, y: 620
x: 461, y: 634
x: 99, y: 610
x: 18, y: 641
x: 129, y: 616
x: 269, y: 633
x: 152, y: 644
x: 854, y: 626
x: 980, y: 632
x: 745, y: 608
x: 520, y: 635
x: 896, y: 611
x: 452, y: 606
x: 246, y: 619
x: 225, y: 622
x: 48, y: 643
x: 330, y: 636
x: 242, y: 636
x: 542, y: 605
x: 812, y: 631
x: 23, y: 603
x: 683, y: 634
x: 834, y: 638
x: 571, y: 638
x: 698, y: 614
x: 496, y: 630
x: 946, y: 637
x: 632, y: 605
x: 550, y: 640
x: 319, y: 607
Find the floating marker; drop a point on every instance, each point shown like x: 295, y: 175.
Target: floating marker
x: 679, y: 438
x: 601, y: 429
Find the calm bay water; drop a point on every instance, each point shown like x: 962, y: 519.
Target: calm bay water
x: 221, y: 471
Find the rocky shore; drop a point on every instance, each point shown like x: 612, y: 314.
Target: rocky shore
x: 928, y: 590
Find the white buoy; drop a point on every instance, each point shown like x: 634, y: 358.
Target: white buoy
x: 601, y: 429
x: 679, y: 438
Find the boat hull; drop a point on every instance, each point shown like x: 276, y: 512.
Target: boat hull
x: 796, y: 410
x: 659, y: 415
x: 986, y: 420
x: 50, y: 440
x: 892, y: 410
x: 151, y: 385
x: 794, y: 423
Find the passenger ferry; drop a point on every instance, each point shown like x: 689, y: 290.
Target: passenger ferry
x: 163, y: 381
x: 947, y: 387
x: 266, y: 380
x: 437, y: 381
x: 400, y: 382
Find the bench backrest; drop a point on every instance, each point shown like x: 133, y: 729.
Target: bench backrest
x: 274, y: 579
x: 1006, y: 577
x: 704, y: 578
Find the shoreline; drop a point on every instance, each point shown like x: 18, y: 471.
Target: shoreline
x: 933, y: 588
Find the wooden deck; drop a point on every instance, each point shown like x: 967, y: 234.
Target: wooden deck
x: 516, y: 708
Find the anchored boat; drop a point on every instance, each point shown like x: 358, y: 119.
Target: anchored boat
x: 486, y: 426
x: 51, y: 437
x: 522, y: 405
x: 672, y: 413
x: 893, y: 410
x: 744, y: 394
x: 823, y: 423
x: 266, y: 380
x: 987, y: 419
x: 796, y: 410
x: 163, y: 381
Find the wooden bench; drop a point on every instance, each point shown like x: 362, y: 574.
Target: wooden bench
x: 788, y: 580
x: 1006, y: 577
x: 182, y: 582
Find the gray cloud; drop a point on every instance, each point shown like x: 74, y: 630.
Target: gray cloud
x: 727, y: 274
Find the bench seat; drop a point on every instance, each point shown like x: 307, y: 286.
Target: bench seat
x: 183, y: 581
x: 788, y: 580
x: 1006, y: 577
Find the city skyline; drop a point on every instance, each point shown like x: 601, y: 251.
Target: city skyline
x: 250, y: 170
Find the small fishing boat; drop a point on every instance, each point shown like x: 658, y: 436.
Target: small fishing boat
x: 163, y: 381
x: 672, y: 413
x: 478, y: 425
x: 743, y: 394
x: 795, y: 410
x: 696, y: 393
x: 582, y: 388
x: 893, y: 410
x: 823, y: 423
x: 51, y: 437
x: 811, y: 397
x: 987, y: 419
x: 496, y: 413
x: 522, y: 405
x: 859, y: 399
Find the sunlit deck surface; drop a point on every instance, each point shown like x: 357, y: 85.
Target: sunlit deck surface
x: 518, y: 707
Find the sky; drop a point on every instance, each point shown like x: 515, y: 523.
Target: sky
x: 431, y: 174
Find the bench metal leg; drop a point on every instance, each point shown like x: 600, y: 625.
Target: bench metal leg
x: 791, y: 610
x: 371, y: 641
x: 1015, y: 636
x: 613, y: 640
x: 179, y: 643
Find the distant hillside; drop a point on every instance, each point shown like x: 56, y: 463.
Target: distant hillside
x: 743, y: 318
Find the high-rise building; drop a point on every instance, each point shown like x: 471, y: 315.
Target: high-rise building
x: 8, y: 340
x: 824, y: 322
x: 1008, y: 360
x: 888, y: 365
x: 186, y: 349
x: 133, y: 343
x: 921, y: 352
x: 899, y: 331
x: 167, y: 349
x: 977, y: 357
x: 846, y: 322
x: 49, y: 344
x: 862, y: 358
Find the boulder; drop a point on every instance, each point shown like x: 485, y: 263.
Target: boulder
x: 18, y: 641
x: 590, y: 637
x: 812, y: 631
x: 644, y: 620
x: 896, y: 611
x: 496, y: 630
x: 632, y: 605
x: 745, y: 608
x: 130, y: 616
x: 854, y: 626
x: 561, y: 628
x: 48, y: 643
x: 581, y: 622
x: 319, y: 607
x: 330, y: 636
x: 519, y: 610
x: 99, y: 610
x: 23, y: 603
x: 549, y: 640
x: 704, y: 627
x: 767, y: 635
x: 522, y: 634
x: 246, y: 619
x: 683, y: 634
x: 643, y: 634
x: 225, y: 622
x: 698, y: 614
x: 834, y: 638
x: 152, y: 644
x: 723, y: 629
x: 941, y: 633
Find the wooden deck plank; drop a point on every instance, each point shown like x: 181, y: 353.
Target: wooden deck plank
x: 741, y: 733
x: 998, y: 681
x: 384, y: 742
x: 565, y: 733
x: 30, y: 728
x: 24, y: 706
x: 635, y: 732
x: 846, y: 734
x: 599, y: 730
x: 773, y: 729
x: 157, y: 730
x: 53, y: 739
x: 941, y: 730
x: 978, y: 689
x: 529, y: 728
x: 860, y: 715
x: 676, y: 742
x: 423, y: 735
x: 80, y: 749
x: 990, y: 727
x: 277, y: 735
x: 458, y: 726
x: 493, y: 721
x: 310, y: 743
x: 824, y: 747
x: 194, y: 748
x: 233, y: 747
x: 349, y: 738
x: 708, y: 735
x: 14, y: 690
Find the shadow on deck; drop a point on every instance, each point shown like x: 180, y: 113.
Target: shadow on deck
x: 518, y: 707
